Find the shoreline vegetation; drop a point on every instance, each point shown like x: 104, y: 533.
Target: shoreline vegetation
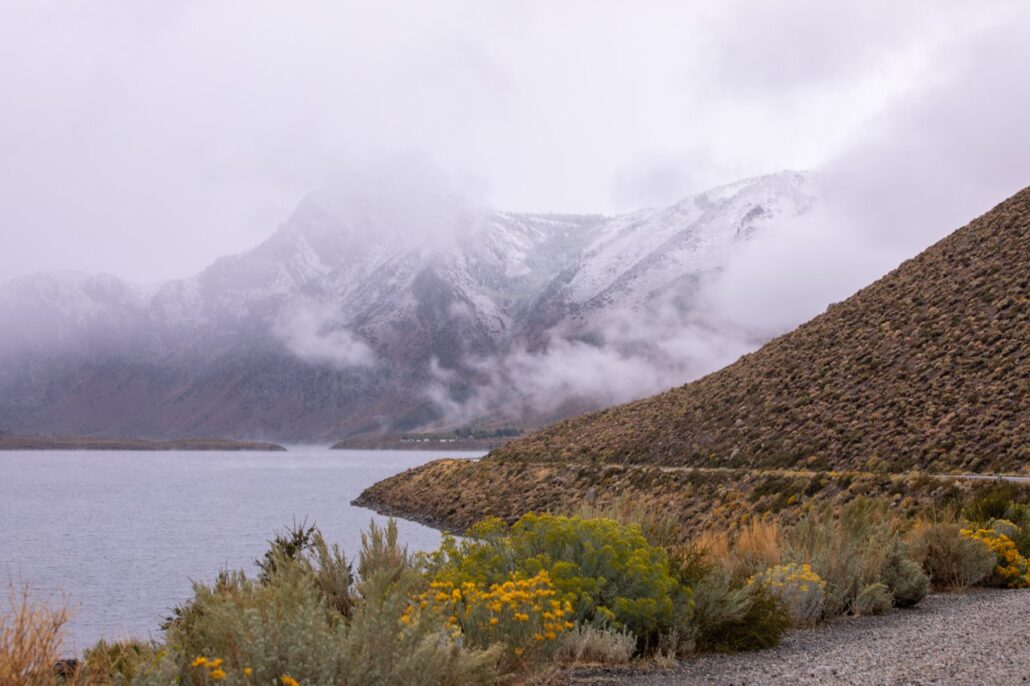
x: 459, y: 439
x: 95, y: 443
x: 400, y: 443
x: 523, y: 602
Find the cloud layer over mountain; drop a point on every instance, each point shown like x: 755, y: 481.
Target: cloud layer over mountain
x: 148, y: 138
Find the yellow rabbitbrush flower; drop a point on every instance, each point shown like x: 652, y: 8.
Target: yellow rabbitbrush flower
x: 1012, y: 569
x: 798, y: 587
x: 524, y: 614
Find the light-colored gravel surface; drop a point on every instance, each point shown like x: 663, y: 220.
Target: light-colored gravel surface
x: 979, y: 637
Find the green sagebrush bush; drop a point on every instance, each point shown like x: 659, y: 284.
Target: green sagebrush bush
x: 325, y: 565
x: 874, y: 599
x: 288, y: 623
x: 744, y: 618
x: 951, y: 559
x: 607, y: 570
x: 728, y: 614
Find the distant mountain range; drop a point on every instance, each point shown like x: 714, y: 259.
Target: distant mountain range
x: 367, y: 314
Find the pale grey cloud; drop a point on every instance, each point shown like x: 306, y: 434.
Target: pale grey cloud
x: 311, y: 331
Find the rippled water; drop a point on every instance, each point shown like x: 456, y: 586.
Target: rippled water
x: 123, y: 533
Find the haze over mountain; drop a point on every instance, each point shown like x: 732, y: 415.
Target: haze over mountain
x: 379, y: 308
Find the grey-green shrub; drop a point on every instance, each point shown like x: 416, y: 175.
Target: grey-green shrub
x: 874, y: 599
x: 905, y: 578
x: 949, y: 558
x: 1019, y: 514
x: 275, y: 628
x: 847, y: 549
x: 376, y: 651
x: 717, y: 601
x: 291, y: 622
x: 1005, y: 528
x: 761, y: 626
x: 728, y: 616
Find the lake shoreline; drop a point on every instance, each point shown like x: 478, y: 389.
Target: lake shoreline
x: 97, y: 443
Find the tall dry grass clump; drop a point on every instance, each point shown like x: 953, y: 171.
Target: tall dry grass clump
x: 31, y: 635
x: 753, y: 549
x: 757, y: 547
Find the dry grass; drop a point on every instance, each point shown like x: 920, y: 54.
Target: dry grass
x: 589, y: 645
x: 758, y: 546
x: 31, y: 635
x: 754, y: 548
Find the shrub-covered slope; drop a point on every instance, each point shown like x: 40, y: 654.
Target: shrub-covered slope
x: 929, y: 367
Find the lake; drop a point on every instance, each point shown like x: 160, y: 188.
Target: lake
x: 121, y: 534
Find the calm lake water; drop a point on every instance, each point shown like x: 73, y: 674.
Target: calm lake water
x: 121, y: 534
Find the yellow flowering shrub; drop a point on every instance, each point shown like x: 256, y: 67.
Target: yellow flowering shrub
x: 607, y: 570
x: 524, y: 614
x: 1011, y: 569
x: 798, y: 587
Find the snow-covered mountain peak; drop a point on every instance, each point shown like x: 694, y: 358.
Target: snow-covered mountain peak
x: 645, y: 252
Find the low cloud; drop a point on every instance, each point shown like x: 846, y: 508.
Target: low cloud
x: 625, y: 355
x: 311, y: 331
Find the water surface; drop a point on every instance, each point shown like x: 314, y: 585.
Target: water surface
x: 121, y: 534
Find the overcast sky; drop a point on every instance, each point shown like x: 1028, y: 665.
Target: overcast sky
x: 146, y: 138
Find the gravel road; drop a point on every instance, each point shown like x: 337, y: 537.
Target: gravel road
x: 979, y: 637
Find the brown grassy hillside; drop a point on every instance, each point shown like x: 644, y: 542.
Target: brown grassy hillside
x: 927, y: 368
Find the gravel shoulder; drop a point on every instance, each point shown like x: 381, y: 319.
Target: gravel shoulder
x: 978, y: 637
